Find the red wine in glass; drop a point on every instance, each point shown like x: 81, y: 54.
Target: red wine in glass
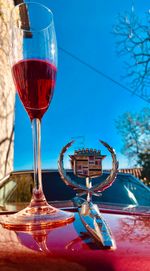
x: 33, y: 61
x: 35, y: 82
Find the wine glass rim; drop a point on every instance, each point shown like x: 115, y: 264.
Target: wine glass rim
x: 38, y: 4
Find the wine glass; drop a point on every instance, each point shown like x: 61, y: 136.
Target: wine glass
x: 34, y: 68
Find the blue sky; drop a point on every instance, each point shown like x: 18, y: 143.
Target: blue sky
x: 85, y: 103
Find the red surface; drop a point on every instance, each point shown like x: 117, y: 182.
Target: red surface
x: 70, y: 248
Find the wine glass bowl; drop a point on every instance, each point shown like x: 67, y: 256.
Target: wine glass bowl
x: 34, y: 57
x: 35, y: 81
x: 34, y: 69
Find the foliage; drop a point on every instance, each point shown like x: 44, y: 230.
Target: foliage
x: 133, y: 42
x: 144, y: 161
x: 135, y: 132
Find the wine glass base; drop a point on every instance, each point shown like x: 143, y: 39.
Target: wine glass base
x: 36, y: 218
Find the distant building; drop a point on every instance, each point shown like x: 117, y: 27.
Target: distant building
x: 134, y: 171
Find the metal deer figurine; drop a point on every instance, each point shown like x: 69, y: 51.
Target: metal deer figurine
x: 88, y: 163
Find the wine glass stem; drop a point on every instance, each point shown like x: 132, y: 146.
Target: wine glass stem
x: 36, y: 133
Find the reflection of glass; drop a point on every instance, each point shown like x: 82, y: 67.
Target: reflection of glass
x: 36, y: 240
x: 34, y: 68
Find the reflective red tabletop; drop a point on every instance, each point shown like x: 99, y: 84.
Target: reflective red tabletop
x: 70, y: 248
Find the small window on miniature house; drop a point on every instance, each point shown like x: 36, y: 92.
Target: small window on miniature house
x: 85, y: 172
x: 97, y: 162
x: 91, y: 159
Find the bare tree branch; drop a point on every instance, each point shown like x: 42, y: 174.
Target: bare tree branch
x: 133, y: 42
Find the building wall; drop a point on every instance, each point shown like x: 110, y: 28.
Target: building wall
x: 7, y: 92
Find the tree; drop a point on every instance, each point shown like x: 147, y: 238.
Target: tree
x: 133, y: 42
x: 135, y: 132
x: 144, y: 161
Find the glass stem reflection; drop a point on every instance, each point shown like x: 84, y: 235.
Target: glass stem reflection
x: 36, y: 132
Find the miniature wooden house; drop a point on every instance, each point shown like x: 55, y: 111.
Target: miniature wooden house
x: 87, y: 163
